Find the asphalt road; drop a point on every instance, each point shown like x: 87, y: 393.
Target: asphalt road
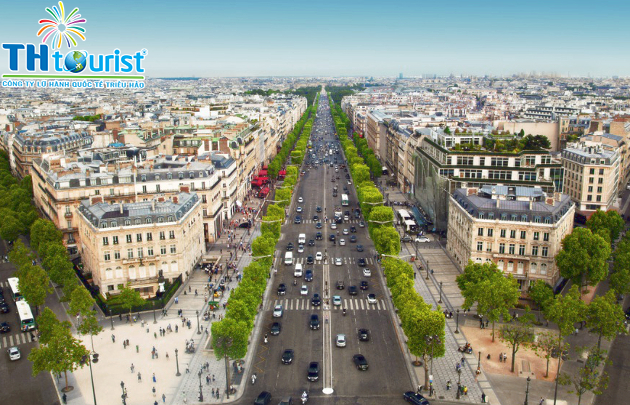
x: 387, y: 377
x: 619, y: 372
x: 17, y: 385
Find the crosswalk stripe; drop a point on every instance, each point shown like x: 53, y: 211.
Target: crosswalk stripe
x: 11, y: 340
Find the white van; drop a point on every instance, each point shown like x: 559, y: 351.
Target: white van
x: 302, y: 239
x: 298, y: 270
x: 288, y: 258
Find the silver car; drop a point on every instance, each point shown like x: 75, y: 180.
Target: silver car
x: 340, y: 341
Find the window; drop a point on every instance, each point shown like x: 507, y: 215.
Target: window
x: 489, y: 247
x: 140, y: 252
x: 105, y: 241
x: 162, y: 237
x: 97, y: 192
x: 547, y: 220
x: 536, y: 235
x: 116, y: 254
x: 127, y: 222
x: 171, y: 234
x: 129, y: 253
x: 534, y: 250
x: 149, y: 236
x: 110, y: 288
x: 148, y: 220
x: 139, y: 237
x: 590, y: 189
x: 589, y: 198
x: 502, y: 248
x: 543, y: 269
x: 173, y: 249
x: 512, y: 248
x: 150, y: 251
x: 523, y: 234
x: 521, y: 250
x: 512, y: 234
x: 591, y: 180
x: 592, y: 171
x: 599, y: 190
x: 510, y: 267
x: 479, y: 246
x: 546, y: 236
x: 162, y: 250
x: 503, y: 233
x: 533, y: 267
x: 129, y: 238
x: 203, y: 198
x: 490, y: 232
x: 107, y: 256
x: 537, y: 220
x: 115, y: 240
x: 545, y: 251
x: 157, y: 188
x: 480, y: 231
x: 600, y: 180
x: 598, y: 198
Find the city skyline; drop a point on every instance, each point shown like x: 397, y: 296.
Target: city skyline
x: 282, y: 38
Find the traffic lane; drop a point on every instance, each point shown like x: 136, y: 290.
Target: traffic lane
x: 618, y: 371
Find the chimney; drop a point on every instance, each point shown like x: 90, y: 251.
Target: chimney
x: 121, y: 207
x: 549, y: 201
x: 175, y: 199
x: 557, y: 195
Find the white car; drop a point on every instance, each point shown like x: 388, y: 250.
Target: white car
x: 14, y: 353
x: 299, y: 209
x: 300, y: 200
x: 371, y: 298
x: 367, y: 272
x: 277, y: 311
x: 342, y: 242
x: 341, y: 340
x: 333, y: 225
x: 319, y: 256
x: 338, y: 261
x: 300, y: 248
x: 423, y: 239
x: 304, y: 290
x: 345, y: 231
x: 336, y: 300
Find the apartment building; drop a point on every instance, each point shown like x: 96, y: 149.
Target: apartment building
x: 592, y: 172
x: 518, y: 228
x: 140, y: 244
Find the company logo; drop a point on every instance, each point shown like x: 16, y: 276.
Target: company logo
x: 67, y: 29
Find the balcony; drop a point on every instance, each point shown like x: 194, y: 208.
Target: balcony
x: 143, y: 281
x: 68, y: 214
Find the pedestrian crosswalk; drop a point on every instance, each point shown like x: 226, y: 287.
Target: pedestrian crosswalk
x: 15, y: 339
x: 339, y: 226
x: 331, y: 260
x: 351, y: 304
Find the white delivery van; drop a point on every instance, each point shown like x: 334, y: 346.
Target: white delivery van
x: 298, y: 270
x: 288, y: 258
x: 302, y: 238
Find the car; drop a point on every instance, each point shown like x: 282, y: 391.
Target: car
x: 338, y: 261
x: 14, y: 353
x: 316, y: 300
x: 340, y: 285
x: 336, y: 300
x: 364, y: 285
x: 300, y: 199
x: 371, y: 298
x: 406, y: 238
x: 290, y: 246
x: 298, y: 209
x: 361, y: 224
x: 4, y: 327
x: 423, y: 239
x: 308, y: 275
x: 342, y: 242
x: 275, y: 329
x: 4, y: 308
x: 264, y: 398
x: 346, y: 231
x: 319, y: 256
x: 282, y: 289
x: 318, y: 209
x: 367, y: 272
x: 313, y: 371
x: 245, y: 225
x: 314, y: 322
x: 318, y: 236
x: 359, y: 248
x: 361, y: 262
x: 346, y: 218
x: 277, y: 311
x: 352, y: 290
x: 297, y: 220
x: 364, y: 335
x: 334, y: 194
x: 287, y: 356
x: 340, y: 341
x: 333, y: 225
x: 331, y: 237
x: 415, y: 398
x: 304, y: 290
x: 311, y: 242
x: 300, y: 248
x: 316, y: 218
x: 360, y: 362
x: 318, y: 225
x: 353, y: 239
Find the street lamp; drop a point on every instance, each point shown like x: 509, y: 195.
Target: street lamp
x: 200, y: 391
x: 177, y: 363
x: 198, y: 328
x: 226, y: 343
x: 427, y: 270
x: 89, y: 359
x: 432, y: 340
x: 440, y: 301
x: 457, y: 322
x: 459, y: 382
x: 479, y: 362
x: 111, y: 318
x: 153, y: 305
x: 527, y: 389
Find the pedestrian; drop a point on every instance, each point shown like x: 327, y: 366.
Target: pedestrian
x: 448, y: 385
x: 213, y: 392
x: 177, y: 302
x: 113, y: 338
x: 483, y: 397
x: 154, y: 379
x: 542, y: 401
x: 176, y: 329
x: 207, y: 380
x: 185, y: 399
x: 139, y: 377
x: 463, y: 361
x: 163, y: 398
x: 132, y: 368
x: 212, y: 377
x: 167, y: 356
x: 153, y: 390
x: 155, y: 335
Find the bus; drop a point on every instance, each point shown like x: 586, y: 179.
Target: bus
x: 15, y: 291
x: 27, y: 321
x: 344, y: 200
x: 406, y: 220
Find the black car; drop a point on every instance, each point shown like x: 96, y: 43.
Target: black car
x: 318, y: 236
x: 338, y: 220
x: 353, y: 229
x: 359, y: 248
x: 364, y: 285
x: 415, y: 398
x: 334, y: 194
x: 315, y: 218
x: 361, y: 262
x: 318, y: 209
x: 353, y: 239
x: 352, y: 290
x: 308, y: 275
x: 340, y: 285
x: 364, y: 335
x: 313, y: 371
x: 247, y: 224
x: 310, y: 260
x: 4, y: 308
x: 314, y: 322
x: 316, y: 300
x: 4, y: 327
x: 318, y: 225
x: 311, y: 242
x: 290, y: 246
x: 287, y: 356
x: 282, y: 289
x: 331, y: 237
x: 360, y: 362
x: 264, y: 398
x: 297, y: 220
x: 275, y: 329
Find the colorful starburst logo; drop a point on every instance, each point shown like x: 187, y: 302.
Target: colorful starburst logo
x: 62, y: 28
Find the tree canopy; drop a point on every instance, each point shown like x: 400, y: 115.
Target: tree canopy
x: 583, y: 257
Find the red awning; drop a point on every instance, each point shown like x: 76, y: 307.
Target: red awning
x: 264, y: 167
x: 262, y: 173
x: 257, y: 183
x: 282, y: 173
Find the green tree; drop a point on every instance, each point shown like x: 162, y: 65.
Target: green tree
x: 11, y: 228
x: 535, y: 142
x: 418, y: 323
x: 605, y: 317
x: 241, y: 311
x: 386, y: 240
x: 610, y: 221
x: 230, y: 338
x: 34, y: 285
x: 541, y: 293
x: 583, y: 257
x: 263, y: 246
x: 81, y: 302
x: 545, y: 345
x: 283, y: 197
x: 588, y: 377
x: 20, y: 255
x: 518, y: 334
x: 130, y: 298
x: 566, y: 311
x: 42, y: 232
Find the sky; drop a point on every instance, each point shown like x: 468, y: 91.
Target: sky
x: 346, y: 37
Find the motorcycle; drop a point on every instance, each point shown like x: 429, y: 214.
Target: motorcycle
x: 253, y: 378
x: 343, y: 311
x: 304, y: 397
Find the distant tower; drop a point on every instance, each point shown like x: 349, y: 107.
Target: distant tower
x: 400, y: 75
